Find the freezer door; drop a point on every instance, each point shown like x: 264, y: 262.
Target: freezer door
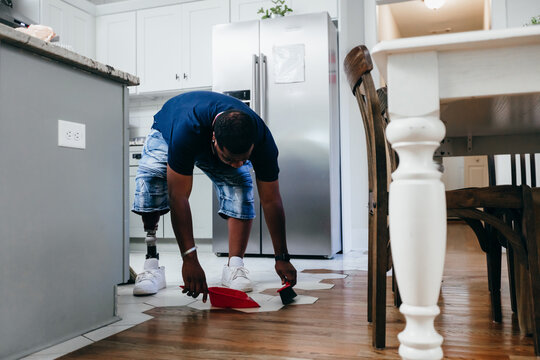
x: 298, y: 105
x: 235, y: 53
x: 235, y: 70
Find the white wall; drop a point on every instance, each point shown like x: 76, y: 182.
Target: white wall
x: 513, y: 13
x: 519, y: 12
x: 498, y: 14
x: 454, y: 172
x: 370, y: 32
x: 141, y: 115
x: 354, y: 174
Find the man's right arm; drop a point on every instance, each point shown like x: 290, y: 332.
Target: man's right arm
x: 179, y: 187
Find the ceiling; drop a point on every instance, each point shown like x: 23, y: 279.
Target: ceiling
x: 413, y: 18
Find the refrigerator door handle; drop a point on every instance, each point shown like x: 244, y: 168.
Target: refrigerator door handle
x: 264, y: 79
x: 255, y: 69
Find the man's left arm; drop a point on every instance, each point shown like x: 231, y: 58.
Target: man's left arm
x: 275, y: 219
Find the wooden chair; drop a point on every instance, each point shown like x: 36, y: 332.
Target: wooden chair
x: 357, y: 66
x: 497, y: 212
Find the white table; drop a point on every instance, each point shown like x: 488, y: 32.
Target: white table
x: 422, y: 73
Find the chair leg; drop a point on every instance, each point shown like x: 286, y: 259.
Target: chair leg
x: 379, y: 286
x: 493, y: 257
x: 532, y: 236
x: 379, y: 306
x: 371, y: 264
x: 395, y: 288
x: 511, y: 278
x: 510, y: 266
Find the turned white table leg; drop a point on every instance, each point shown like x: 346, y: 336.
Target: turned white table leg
x: 417, y: 207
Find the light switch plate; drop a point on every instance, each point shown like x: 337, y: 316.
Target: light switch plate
x: 71, y: 134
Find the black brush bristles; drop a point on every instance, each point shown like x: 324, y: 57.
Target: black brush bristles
x: 287, y: 294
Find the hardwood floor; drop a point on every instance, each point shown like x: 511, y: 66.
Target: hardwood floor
x: 335, y: 327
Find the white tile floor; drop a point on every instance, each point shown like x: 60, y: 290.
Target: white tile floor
x: 262, y: 274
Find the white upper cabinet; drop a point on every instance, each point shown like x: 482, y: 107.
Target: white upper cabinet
x: 75, y: 27
x: 116, y: 42
x: 243, y: 10
x: 197, y: 21
x: 159, y: 49
x: 83, y: 29
x: 174, y: 45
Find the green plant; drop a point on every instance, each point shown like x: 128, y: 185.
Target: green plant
x: 535, y: 20
x: 276, y: 10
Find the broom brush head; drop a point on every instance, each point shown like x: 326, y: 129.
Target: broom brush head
x: 287, y: 294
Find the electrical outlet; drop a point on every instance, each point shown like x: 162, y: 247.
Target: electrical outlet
x: 71, y: 134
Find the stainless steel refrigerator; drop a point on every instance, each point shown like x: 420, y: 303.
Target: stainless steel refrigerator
x: 286, y: 70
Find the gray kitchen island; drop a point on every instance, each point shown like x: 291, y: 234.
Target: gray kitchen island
x: 64, y: 242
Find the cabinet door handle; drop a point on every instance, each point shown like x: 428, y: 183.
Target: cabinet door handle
x: 177, y: 77
x: 185, y: 76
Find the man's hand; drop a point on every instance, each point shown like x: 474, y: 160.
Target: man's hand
x: 286, y: 272
x: 194, y: 279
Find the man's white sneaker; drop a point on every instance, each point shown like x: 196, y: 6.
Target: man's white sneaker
x: 236, y: 278
x: 151, y: 280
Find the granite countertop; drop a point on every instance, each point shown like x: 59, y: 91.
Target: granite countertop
x: 35, y: 45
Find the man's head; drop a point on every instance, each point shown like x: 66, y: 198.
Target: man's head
x: 234, y: 135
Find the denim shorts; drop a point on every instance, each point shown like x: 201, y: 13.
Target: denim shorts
x: 234, y: 187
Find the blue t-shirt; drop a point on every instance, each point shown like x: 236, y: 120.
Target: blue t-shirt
x: 185, y: 121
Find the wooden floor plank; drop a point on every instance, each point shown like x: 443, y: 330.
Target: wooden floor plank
x: 335, y: 327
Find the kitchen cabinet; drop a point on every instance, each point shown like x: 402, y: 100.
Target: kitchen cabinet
x: 136, y: 227
x: 64, y: 238
x: 198, y: 18
x: 174, y: 45
x: 75, y: 27
x: 243, y: 10
x: 158, y: 49
x: 200, y: 202
x: 116, y: 42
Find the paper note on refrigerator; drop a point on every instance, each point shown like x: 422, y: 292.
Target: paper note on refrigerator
x: 289, y: 63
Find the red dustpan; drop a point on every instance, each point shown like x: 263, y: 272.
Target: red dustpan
x: 230, y: 298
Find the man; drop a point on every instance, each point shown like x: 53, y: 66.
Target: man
x: 223, y: 137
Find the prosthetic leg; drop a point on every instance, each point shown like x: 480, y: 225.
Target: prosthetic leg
x: 152, y: 279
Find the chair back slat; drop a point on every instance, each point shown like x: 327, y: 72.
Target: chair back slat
x: 522, y: 169
x: 491, y: 171
x: 513, y: 169
x: 532, y: 160
x: 526, y: 177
